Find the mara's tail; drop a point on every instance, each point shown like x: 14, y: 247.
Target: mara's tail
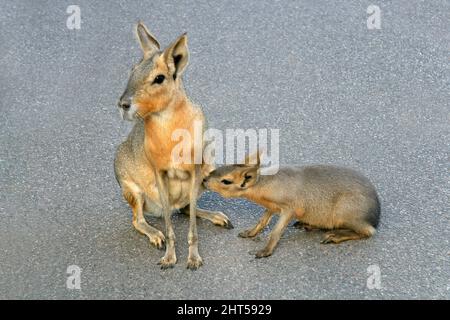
x: 373, y: 215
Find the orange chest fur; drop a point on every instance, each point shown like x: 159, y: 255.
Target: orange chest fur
x: 161, y: 141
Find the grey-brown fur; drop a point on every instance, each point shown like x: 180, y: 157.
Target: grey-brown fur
x: 151, y: 179
x: 317, y: 196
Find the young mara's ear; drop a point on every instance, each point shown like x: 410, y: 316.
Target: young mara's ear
x: 148, y: 42
x: 253, y: 160
x: 176, y: 56
x: 249, y: 177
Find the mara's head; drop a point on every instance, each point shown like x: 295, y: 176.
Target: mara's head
x: 156, y: 80
x: 233, y: 180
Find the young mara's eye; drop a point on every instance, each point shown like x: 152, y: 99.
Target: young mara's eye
x: 159, y: 79
x: 247, y: 177
x: 225, y: 181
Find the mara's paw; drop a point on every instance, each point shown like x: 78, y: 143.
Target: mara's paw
x: 246, y: 234
x: 167, y: 262
x: 158, y: 240
x: 264, y: 253
x: 194, y: 262
x: 222, y: 220
x: 338, y: 236
x: 330, y: 237
x: 306, y: 227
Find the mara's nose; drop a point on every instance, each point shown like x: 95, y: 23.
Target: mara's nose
x: 205, y: 180
x: 125, y: 105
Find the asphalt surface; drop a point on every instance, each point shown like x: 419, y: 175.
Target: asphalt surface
x: 374, y: 100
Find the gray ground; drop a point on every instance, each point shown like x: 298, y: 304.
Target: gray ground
x: 375, y: 100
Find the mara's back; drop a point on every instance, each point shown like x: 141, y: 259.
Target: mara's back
x: 319, y: 179
x: 317, y: 191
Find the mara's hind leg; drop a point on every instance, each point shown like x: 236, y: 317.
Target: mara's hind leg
x: 350, y: 219
x: 136, y: 203
x: 307, y: 227
x: 356, y: 232
x: 216, y: 217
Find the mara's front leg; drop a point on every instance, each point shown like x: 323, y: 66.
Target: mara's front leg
x: 275, y: 235
x: 262, y: 223
x: 194, y: 260
x: 170, y: 258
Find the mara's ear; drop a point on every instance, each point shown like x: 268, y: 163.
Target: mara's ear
x: 253, y: 160
x: 249, y: 177
x: 148, y: 42
x: 176, y: 56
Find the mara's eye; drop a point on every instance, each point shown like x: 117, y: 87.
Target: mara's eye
x: 247, y: 177
x: 159, y: 79
x: 225, y: 181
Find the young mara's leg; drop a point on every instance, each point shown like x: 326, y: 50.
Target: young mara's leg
x: 307, y: 227
x: 216, y: 217
x: 135, y: 200
x: 262, y: 223
x: 354, y: 232
x: 350, y: 211
x: 275, y: 235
